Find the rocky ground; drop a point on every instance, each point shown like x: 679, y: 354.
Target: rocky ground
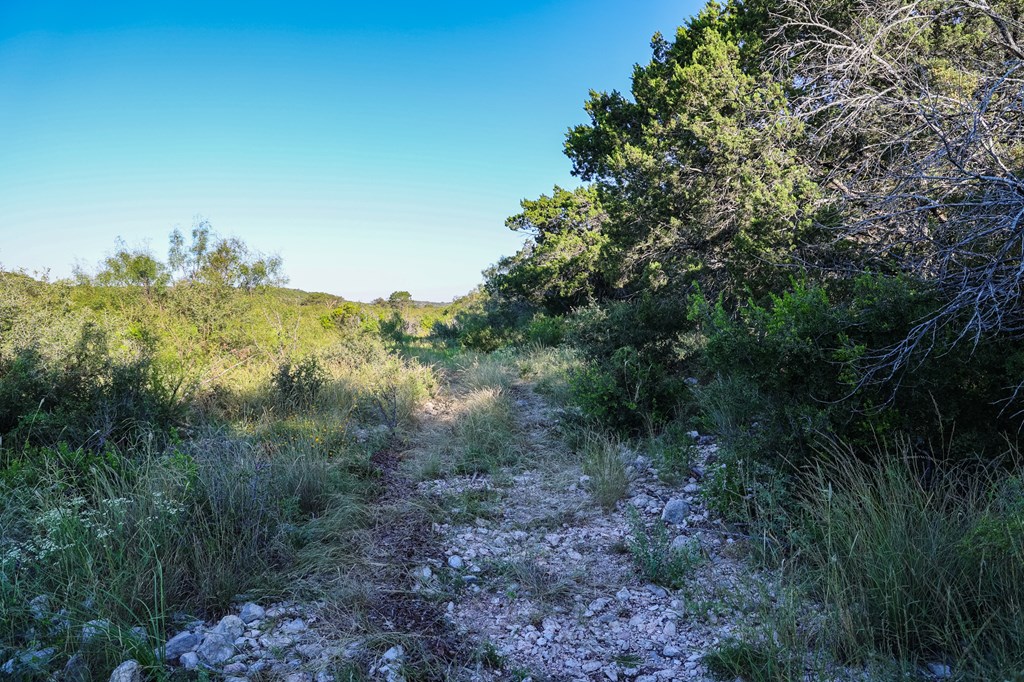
x: 551, y: 587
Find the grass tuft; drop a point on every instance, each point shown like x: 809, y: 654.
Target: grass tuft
x: 486, y: 436
x: 652, y: 552
x: 919, y: 567
x: 602, y: 462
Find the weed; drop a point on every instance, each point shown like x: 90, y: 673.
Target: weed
x: 654, y: 556
x: 530, y: 579
x: 473, y: 503
x: 762, y: 662
x: 487, y: 655
x: 297, y: 384
x: 673, y: 451
x: 628, y: 660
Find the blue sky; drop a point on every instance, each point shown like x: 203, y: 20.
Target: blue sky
x: 375, y: 148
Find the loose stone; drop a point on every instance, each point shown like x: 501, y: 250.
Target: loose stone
x: 675, y: 511
x: 129, y: 671
x: 251, y: 613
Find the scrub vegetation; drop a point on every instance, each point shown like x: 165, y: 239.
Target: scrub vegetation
x: 800, y: 233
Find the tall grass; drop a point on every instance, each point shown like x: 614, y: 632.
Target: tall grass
x: 919, y: 567
x: 602, y: 463
x: 134, y: 542
x: 485, y: 433
x: 475, y: 371
x: 548, y: 368
x: 779, y: 644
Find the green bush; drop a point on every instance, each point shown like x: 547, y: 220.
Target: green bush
x: 392, y: 327
x: 755, y: 496
x: 634, y: 362
x: 544, y: 330
x: 298, y: 384
x: 480, y: 322
x: 388, y: 387
x: 86, y: 394
x: 784, y: 372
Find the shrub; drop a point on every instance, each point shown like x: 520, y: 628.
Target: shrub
x: 86, y: 394
x: 393, y: 389
x: 392, y: 328
x: 633, y: 372
x: 789, y: 369
x: 545, y: 330
x: 375, y: 382
x: 755, y: 496
x: 298, y: 384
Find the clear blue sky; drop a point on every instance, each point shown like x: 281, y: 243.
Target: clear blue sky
x: 374, y: 147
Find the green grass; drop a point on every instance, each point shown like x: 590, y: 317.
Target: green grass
x: 548, y: 369
x: 760, y: 662
x: 266, y: 496
x: 651, y: 549
x: 919, y: 569
x: 672, y: 450
x: 131, y: 544
x: 528, y: 578
x: 474, y: 503
x: 602, y: 462
x: 476, y: 371
x: 487, y: 655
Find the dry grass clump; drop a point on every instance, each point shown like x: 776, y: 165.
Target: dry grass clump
x: 475, y: 371
x: 485, y: 434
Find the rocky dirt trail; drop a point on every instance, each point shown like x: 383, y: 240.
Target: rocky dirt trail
x: 513, y: 575
x: 542, y: 579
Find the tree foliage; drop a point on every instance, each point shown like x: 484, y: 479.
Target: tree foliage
x: 133, y: 267
x: 399, y: 299
x: 560, y: 267
x: 698, y: 170
x: 221, y: 261
x: 854, y: 147
x: 916, y: 109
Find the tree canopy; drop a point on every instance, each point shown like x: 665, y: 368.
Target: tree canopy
x: 223, y: 261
